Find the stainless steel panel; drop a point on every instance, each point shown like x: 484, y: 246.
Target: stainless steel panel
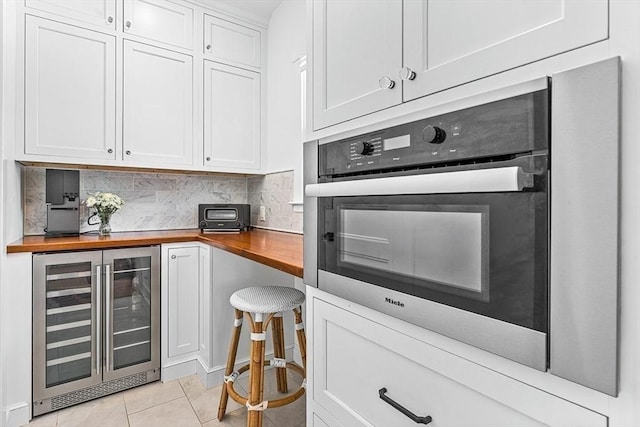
x: 520, y: 344
x: 310, y: 215
x: 584, y: 225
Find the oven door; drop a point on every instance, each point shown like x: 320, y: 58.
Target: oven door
x: 467, y: 257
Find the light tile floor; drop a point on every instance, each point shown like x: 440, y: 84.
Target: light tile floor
x: 180, y: 403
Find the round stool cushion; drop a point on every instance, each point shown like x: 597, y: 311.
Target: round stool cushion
x: 267, y: 299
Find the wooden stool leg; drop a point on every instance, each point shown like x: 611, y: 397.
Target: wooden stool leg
x: 302, y: 340
x: 256, y: 373
x: 231, y: 361
x: 277, y: 333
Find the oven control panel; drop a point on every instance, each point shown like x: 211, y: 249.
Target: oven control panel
x: 514, y: 125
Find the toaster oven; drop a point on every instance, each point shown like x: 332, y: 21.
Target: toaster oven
x: 220, y: 217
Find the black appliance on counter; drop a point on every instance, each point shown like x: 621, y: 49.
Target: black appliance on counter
x: 63, y: 202
x: 221, y: 217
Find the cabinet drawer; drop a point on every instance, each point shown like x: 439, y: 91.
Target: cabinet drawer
x: 354, y: 358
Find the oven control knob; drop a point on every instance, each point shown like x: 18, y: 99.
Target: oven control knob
x: 203, y: 224
x: 433, y: 135
x: 364, y: 148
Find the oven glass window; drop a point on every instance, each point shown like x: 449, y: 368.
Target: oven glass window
x: 486, y: 253
x: 221, y: 214
x: 445, y: 247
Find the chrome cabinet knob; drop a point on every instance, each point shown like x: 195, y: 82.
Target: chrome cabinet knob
x: 128, y: 24
x: 208, y: 159
x: 407, y: 73
x: 386, y: 83
x: 208, y: 47
x: 128, y: 152
x: 173, y: 257
x: 110, y: 19
x: 110, y: 151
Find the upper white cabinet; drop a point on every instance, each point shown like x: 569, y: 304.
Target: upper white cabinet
x: 159, y: 20
x: 70, y: 93
x: 357, y: 52
x: 447, y: 43
x: 232, y: 43
x: 158, y: 105
x: 97, y: 12
x: 231, y: 117
x: 368, y: 56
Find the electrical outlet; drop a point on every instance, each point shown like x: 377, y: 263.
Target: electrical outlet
x: 263, y: 214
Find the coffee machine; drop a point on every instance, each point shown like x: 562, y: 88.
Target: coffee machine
x: 63, y: 202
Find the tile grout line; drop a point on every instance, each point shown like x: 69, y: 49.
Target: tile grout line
x: 191, y: 404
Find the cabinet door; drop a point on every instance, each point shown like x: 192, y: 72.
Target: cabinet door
x: 159, y: 20
x: 69, y: 91
x: 229, y: 42
x: 131, y: 311
x: 355, y: 358
x: 66, y: 323
x: 451, y: 42
x: 183, y: 279
x: 357, y: 54
x: 231, y: 117
x: 158, y: 106
x: 97, y: 12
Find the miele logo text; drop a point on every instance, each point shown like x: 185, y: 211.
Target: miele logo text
x: 394, y: 302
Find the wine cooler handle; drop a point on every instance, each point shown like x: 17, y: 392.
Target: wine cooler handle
x: 107, y: 316
x: 415, y: 418
x: 98, y: 324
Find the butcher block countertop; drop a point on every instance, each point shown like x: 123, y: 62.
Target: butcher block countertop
x: 279, y: 250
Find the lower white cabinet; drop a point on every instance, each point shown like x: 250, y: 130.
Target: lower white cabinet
x: 355, y: 358
x: 196, y: 317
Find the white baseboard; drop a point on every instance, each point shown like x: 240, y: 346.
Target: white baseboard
x: 17, y: 415
x: 210, y: 377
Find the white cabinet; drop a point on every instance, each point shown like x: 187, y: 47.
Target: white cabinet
x: 158, y: 105
x: 159, y: 20
x: 355, y: 358
x: 232, y: 43
x: 97, y: 12
x: 232, y: 122
x: 357, y: 52
x: 182, y: 288
x: 70, y: 94
x: 447, y: 43
x: 426, y: 46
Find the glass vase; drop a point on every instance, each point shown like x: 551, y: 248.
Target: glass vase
x: 105, y: 225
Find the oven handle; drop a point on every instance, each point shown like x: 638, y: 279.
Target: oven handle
x: 511, y: 178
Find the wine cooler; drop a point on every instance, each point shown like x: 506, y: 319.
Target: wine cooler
x: 96, y: 328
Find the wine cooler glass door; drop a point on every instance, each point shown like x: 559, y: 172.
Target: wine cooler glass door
x: 66, y: 340
x: 131, y: 311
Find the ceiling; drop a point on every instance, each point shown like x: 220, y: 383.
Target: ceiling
x: 259, y: 10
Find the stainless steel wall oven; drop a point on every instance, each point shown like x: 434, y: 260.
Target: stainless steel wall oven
x: 495, y: 225
x: 448, y: 218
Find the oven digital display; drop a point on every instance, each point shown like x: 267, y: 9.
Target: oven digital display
x: 221, y: 214
x: 403, y: 141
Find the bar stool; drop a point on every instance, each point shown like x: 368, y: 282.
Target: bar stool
x: 263, y: 305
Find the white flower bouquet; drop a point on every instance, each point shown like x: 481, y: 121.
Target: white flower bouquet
x: 105, y: 205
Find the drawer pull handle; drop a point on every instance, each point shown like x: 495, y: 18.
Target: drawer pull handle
x: 415, y: 418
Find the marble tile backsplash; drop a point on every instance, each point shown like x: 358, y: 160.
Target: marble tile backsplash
x: 156, y: 201
x: 274, y: 192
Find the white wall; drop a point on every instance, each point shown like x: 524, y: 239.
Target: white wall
x: 286, y: 45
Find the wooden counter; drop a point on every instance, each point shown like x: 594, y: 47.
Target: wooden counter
x: 282, y: 251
